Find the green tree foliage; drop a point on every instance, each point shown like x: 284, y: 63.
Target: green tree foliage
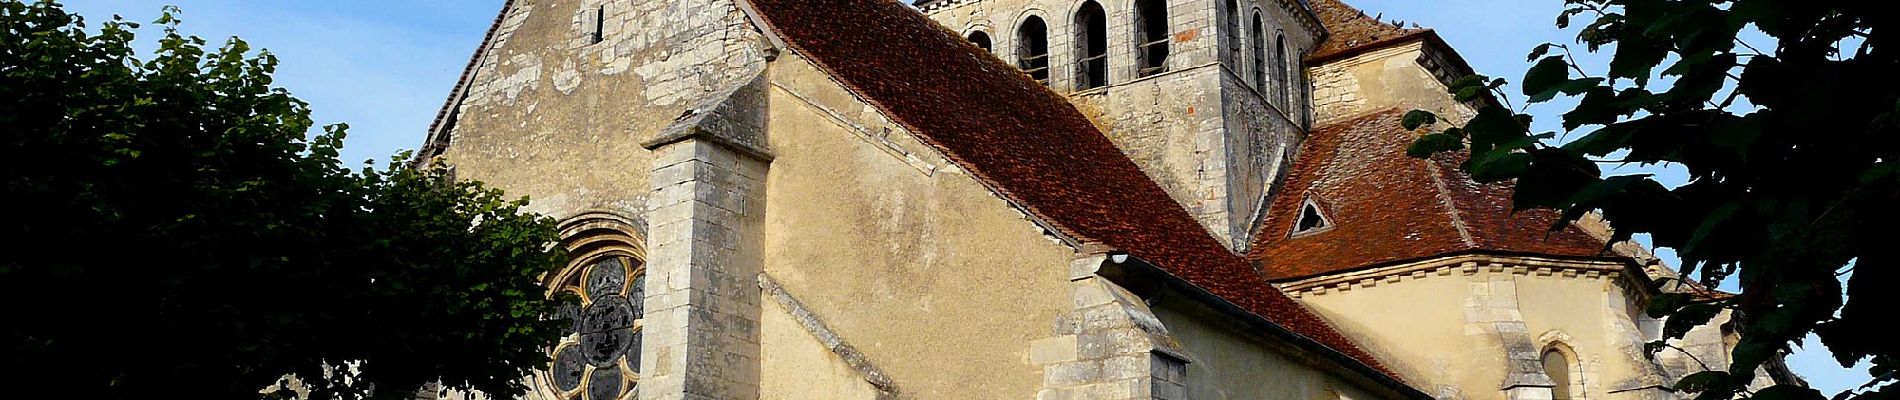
x: 1792, y: 152
x: 173, y: 231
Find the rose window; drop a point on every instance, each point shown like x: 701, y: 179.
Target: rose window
x: 599, y: 359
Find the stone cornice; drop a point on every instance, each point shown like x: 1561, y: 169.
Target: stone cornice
x: 1464, y: 265
x: 1308, y: 20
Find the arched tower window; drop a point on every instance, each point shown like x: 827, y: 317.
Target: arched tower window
x: 1091, y: 45
x: 1032, y: 49
x: 1557, y: 366
x: 1151, y: 29
x: 1231, y: 22
x: 981, y: 39
x: 1279, y: 69
x: 599, y: 356
x: 1257, y: 34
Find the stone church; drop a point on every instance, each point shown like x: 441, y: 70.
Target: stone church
x: 1033, y: 199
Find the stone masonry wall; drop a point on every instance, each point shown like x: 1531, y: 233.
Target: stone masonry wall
x: 1111, y: 347
x: 702, y: 304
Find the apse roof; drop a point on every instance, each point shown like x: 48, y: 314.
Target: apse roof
x: 1382, y: 206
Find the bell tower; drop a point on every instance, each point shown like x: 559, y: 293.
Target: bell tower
x: 1210, y: 97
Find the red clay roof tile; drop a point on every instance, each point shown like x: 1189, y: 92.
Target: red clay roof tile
x: 1386, y: 207
x: 1026, y: 142
x: 1349, y: 29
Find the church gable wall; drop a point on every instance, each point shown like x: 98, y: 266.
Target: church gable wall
x: 935, y: 280
x: 554, y: 112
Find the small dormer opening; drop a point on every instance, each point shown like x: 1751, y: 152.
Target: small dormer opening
x: 1151, y: 28
x: 1311, y: 219
x: 1032, y: 49
x: 1091, y: 44
x: 981, y: 40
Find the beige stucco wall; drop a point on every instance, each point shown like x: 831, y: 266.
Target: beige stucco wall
x: 937, y: 281
x: 1231, y: 363
x: 1445, y: 329
x: 1391, y: 77
x: 799, y: 367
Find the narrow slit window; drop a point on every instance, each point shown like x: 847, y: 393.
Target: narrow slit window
x: 981, y: 40
x: 1091, y: 41
x: 1032, y: 49
x: 1151, y: 24
x: 600, y: 25
x: 1259, y: 53
x: 1310, y: 219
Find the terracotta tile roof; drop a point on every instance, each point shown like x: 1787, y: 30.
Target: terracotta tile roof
x: 1383, y: 207
x: 1351, y: 30
x: 1026, y: 142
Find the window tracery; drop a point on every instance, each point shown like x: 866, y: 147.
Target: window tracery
x: 599, y: 358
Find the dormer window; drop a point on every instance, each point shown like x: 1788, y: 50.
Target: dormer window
x: 1311, y: 219
x: 1151, y: 28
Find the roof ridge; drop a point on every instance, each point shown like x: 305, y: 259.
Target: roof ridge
x: 1451, y: 206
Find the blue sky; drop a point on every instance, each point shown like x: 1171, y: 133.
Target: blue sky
x: 385, y: 67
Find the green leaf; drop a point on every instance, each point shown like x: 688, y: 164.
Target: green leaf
x: 1539, y: 51
x: 1713, y: 220
x: 1499, y: 166
x: 1417, y: 118
x: 1570, y: 87
x: 1604, y: 189
x: 1469, y: 93
x: 1434, y: 143
x: 1879, y: 172
x: 1596, y: 108
x: 1702, y: 381
x: 1546, y: 75
x: 1687, y: 318
x: 1664, y: 303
